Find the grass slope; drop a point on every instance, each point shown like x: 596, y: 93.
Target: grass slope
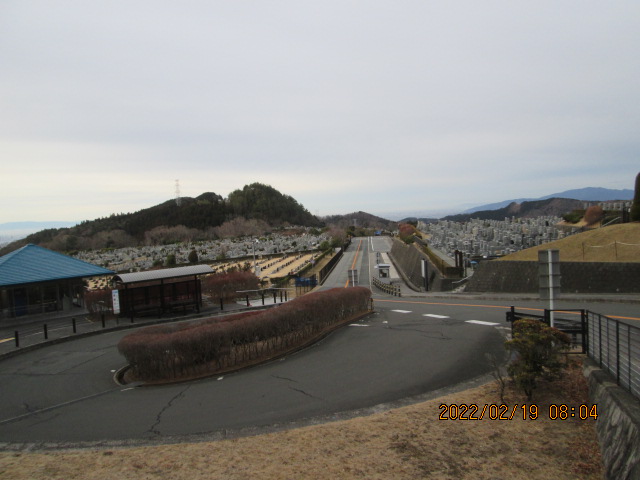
x: 616, y: 243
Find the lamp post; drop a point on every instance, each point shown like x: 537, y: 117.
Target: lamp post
x: 253, y: 249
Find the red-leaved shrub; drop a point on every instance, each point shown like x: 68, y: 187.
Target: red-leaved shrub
x: 225, y: 285
x: 215, y: 344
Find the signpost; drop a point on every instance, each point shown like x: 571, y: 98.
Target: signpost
x: 549, y: 277
x: 116, y: 301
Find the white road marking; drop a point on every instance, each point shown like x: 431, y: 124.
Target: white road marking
x: 401, y: 311
x: 480, y: 322
x: 357, y: 325
x: 433, y: 315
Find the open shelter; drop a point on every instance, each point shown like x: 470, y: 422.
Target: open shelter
x: 35, y: 280
x: 160, y: 291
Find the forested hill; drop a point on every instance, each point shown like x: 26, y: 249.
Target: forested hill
x: 360, y: 220
x: 255, y: 207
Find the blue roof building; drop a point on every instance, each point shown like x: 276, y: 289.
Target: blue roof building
x: 36, y: 280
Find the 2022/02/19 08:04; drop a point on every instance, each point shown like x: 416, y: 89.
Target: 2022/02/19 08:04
x: 532, y: 411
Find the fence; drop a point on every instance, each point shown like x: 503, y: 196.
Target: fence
x: 613, y: 344
x: 616, y: 347
x: 387, y: 288
x: 326, y: 270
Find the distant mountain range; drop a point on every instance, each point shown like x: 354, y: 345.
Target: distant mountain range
x: 588, y: 194
x: 552, y: 207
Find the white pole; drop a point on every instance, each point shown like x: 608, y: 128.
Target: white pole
x: 549, y: 258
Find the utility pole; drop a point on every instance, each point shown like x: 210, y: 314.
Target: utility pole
x: 178, y: 199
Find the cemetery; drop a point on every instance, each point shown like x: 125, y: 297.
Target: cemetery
x: 493, y: 238
x: 271, y: 258
x: 132, y: 259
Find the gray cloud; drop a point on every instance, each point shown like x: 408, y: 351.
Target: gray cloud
x: 377, y: 106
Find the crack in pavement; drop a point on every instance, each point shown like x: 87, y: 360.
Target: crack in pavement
x: 35, y: 412
x: 285, y: 378
x: 305, y: 393
x: 153, y: 429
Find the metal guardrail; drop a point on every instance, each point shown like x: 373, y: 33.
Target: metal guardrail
x: 387, y: 288
x: 576, y: 327
x: 615, y: 346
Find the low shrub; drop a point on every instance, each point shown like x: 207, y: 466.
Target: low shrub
x: 205, y: 347
x: 538, y: 349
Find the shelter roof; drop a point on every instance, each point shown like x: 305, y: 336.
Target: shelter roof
x: 35, y: 264
x: 151, y: 275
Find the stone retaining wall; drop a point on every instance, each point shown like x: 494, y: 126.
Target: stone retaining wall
x: 617, y: 426
x: 577, y: 277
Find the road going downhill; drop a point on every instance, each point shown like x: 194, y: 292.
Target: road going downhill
x: 64, y: 394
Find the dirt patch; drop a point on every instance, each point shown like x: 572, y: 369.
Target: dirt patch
x: 405, y: 443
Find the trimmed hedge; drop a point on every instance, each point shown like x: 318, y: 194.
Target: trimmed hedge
x: 205, y: 347
x: 225, y: 285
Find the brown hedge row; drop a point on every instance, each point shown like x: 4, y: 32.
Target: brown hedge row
x: 198, y: 348
x: 225, y: 285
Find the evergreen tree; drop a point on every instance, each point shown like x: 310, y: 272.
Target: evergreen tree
x: 635, y: 207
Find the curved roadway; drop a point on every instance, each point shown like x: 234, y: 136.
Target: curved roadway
x: 64, y: 394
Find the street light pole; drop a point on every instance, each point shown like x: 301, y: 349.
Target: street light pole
x: 253, y: 248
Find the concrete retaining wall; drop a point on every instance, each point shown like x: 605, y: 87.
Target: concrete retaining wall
x: 407, y: 259
x: 617, y: 426
x: 577, y: 277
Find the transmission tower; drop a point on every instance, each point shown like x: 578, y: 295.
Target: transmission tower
x: 178, y: 199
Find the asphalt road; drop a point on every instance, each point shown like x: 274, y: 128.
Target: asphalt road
x: 65, y: 395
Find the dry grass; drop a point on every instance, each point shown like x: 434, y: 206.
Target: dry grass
x: 615, y: 243
x: 406, y: 443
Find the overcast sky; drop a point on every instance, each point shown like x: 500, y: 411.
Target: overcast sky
x: 380, y: 106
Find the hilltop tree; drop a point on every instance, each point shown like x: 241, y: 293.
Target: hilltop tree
x: 593, y: 215
x: 406, y: 232
x: 635, y: 208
